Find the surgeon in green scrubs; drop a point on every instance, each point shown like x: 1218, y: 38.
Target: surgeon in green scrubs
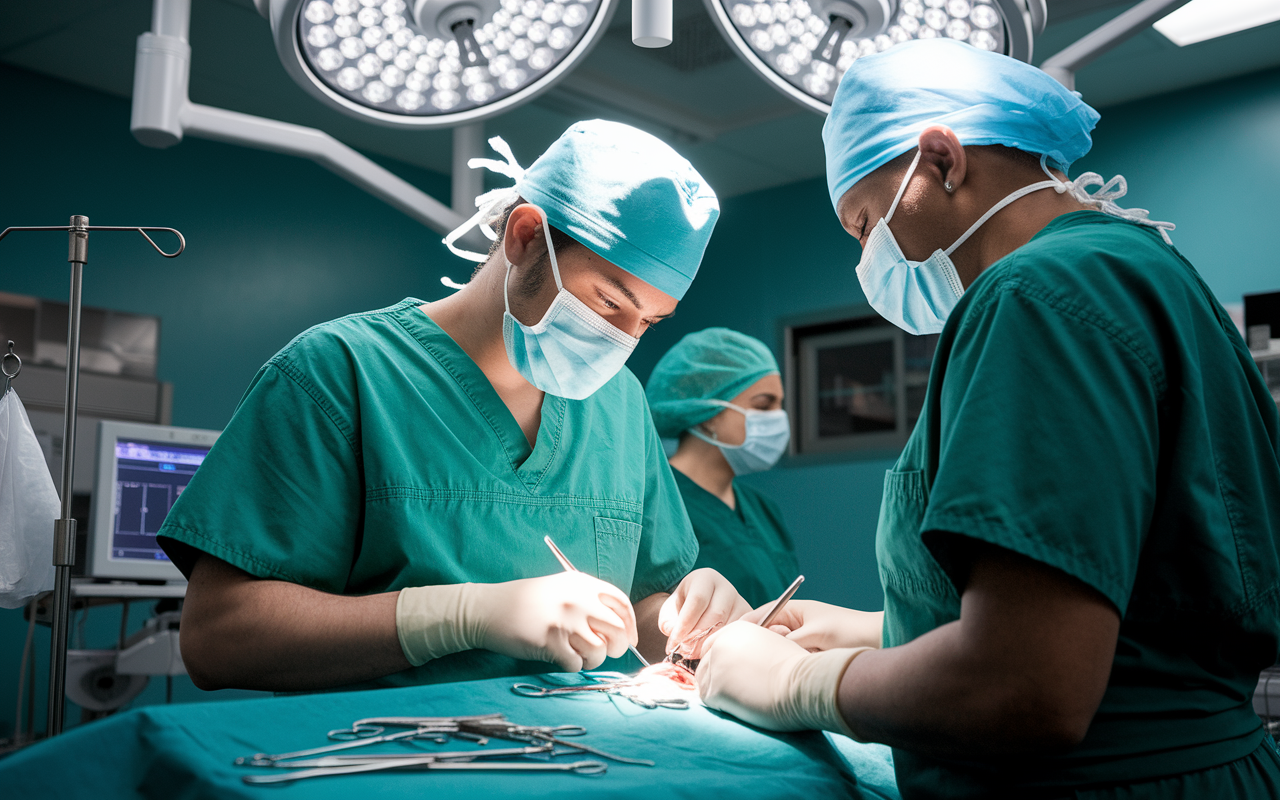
x: 374, y: 513
x: 720, y: 393
x: 1079, y: 543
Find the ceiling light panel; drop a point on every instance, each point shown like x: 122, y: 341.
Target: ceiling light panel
x: 1201, y: 20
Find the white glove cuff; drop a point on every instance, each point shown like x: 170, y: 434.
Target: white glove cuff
x: 817, y: 689
x: 432, y: 621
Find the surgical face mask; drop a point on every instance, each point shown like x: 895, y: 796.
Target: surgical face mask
x: 572, y: 351
x: 918, y: 296
x: 768, y: 433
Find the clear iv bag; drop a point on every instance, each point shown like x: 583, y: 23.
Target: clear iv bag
x: 28, y: 507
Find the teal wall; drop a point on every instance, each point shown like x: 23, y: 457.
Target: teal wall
x: 277, y: 244
x: 274, y: 245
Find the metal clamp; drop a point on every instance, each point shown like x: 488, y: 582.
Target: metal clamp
x: 64, y: 542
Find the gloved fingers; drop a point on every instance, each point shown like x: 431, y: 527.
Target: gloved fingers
x: 605, y: 595
x: 589, y: 648
x: 720, y: 651
x: 703, y: 600
x: 608, y: 629
x: 791, y: 616
x: 623, y: 616
x: 746, y: 671
x: 560, y: 651
x: 810, y: 637
x: 724, y: 608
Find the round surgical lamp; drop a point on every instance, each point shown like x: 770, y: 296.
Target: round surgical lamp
x: 432, y: 63
x: 802, y: 47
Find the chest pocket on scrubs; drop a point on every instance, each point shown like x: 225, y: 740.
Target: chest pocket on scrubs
x: 617, y: 544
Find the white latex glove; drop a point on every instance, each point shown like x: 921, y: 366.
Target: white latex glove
x: 570, y: 619
x: 770, y: 682
x: 703, y: 600
x: 822, y: 626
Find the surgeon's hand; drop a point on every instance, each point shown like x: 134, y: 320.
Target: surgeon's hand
x: 570, y: 619
x: 822, y: 626
x: 703, y: 600
x: 768, y: 681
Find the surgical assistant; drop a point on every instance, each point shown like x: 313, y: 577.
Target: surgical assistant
x: 1078, y: 545
x: 373, y: 514
x: 720, y: 393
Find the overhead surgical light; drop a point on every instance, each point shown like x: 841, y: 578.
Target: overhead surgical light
x: 803, y: 47
x: 1202, y: 20
x: 432, y: 63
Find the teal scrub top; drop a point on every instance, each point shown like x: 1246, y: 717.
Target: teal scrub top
x: 371, y: 454
x: 1091, y: 406
x: 749, y: 545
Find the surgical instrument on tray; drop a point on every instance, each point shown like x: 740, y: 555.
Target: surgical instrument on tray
x: 612, y: 687
x: 364, y: 732
x: 479, y: 729
x: 564, y: 562
x: 428, y: 763
x: 372, y: 758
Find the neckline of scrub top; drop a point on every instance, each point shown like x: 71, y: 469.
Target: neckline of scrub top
x: 1085, y: 216
x: 529, y: 464
x: 735, y: 512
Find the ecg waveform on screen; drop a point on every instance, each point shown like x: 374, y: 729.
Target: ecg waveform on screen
x: 149, y: 480
x: 143, y: 506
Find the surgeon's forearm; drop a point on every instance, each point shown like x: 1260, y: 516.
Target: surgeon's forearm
x: 243, y: 632
x: 1023, y: 669
x: 653, y: 642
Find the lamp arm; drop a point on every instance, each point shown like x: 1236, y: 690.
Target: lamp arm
x: 162, y: 114
x: 283, y: 137
x: 1063, y: 65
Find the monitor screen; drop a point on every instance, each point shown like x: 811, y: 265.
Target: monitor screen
x: 149, y: 478
x: 141, y: 472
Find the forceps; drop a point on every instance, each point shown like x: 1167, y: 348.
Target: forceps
x: 429, y: 763
x: 387, y: 758
x: 610, y: 687
x: 369, y: 731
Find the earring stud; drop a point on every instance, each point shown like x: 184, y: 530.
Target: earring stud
x: 948, y: 187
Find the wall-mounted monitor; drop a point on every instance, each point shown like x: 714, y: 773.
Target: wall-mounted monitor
x: 141, y: 472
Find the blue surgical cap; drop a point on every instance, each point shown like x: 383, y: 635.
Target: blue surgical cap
x: 712, y: 364
x: 885, y: 101
x: 628, y: 197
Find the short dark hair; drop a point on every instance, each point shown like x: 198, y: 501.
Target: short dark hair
x: 534, y: 278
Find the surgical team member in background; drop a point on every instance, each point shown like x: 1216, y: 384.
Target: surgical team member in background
x: 1078, y: 545
x: 374, y: 513
x: 720, y: 393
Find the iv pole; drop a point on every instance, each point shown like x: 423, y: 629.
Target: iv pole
x: 64, y: 529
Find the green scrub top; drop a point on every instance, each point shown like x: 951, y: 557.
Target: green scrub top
x: 748, y: 545
x: 1091, y: 406
x: 371, y: 454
